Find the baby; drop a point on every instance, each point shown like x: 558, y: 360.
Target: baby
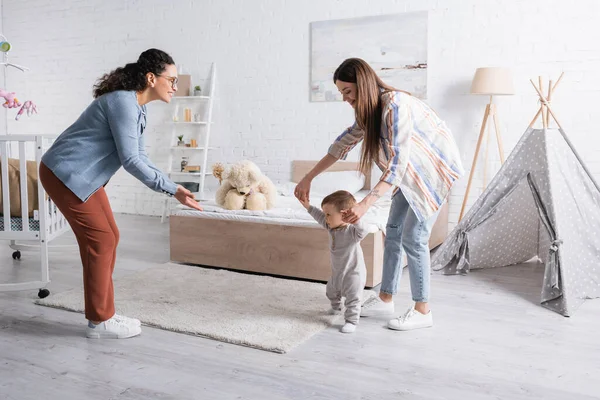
x: 348, y: 271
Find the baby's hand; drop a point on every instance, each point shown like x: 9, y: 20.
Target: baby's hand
x: 305, y: 203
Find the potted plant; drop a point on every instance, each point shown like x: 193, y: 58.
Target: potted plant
x: 197, y: 90
x: 180, y: 142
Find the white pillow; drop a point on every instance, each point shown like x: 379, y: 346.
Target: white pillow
x: 329, y: 182
x: 286, y: 189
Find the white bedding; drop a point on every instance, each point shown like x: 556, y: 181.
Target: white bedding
x: 288, y: 211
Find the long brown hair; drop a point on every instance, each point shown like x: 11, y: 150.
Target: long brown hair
x: 369, y: 88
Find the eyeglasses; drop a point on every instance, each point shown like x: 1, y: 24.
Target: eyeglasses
x: 172, y: 79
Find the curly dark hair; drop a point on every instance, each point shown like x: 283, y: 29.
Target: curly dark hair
x: 133, y: 75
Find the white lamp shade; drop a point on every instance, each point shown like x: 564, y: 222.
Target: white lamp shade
x: 492, y: 81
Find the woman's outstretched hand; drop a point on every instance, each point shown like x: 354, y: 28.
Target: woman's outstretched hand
x: 186, y: 198
x: 302, y: 190
x: 352, y: 215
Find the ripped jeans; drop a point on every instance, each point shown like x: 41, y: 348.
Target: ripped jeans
x: 404, y: 230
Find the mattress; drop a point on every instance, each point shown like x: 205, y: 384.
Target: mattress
x: 288, y: 211
x: 16, y: 224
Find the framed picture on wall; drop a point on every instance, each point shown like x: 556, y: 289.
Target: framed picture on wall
x: 395, y: 45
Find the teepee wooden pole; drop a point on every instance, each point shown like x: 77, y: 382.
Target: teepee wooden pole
x: 537, y: 90
x: 539, y: 111
x: 559, y: 78
x: 535, y: 118
x: 548, y: 112
x: 542, y: 100
x: 543, y: 97
x: 554, y: 117
x: 549, y: 97
x: 537, y: 115
x: 546, y: 106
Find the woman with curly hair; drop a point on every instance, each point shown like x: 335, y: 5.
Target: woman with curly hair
x: 109, y: 134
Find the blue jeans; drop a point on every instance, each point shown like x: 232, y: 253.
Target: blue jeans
x: 405, y: 230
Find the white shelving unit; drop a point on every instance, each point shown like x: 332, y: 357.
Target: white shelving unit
x: 198, y: 130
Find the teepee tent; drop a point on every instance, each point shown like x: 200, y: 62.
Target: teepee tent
x: 543, y: 203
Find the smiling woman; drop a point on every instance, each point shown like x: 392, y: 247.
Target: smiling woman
x: 417, y: 155
x: 74, y: 171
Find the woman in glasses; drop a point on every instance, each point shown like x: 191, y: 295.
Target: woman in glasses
x: 109, y: 135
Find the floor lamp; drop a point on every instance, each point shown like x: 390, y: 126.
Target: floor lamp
x: 490, y: 81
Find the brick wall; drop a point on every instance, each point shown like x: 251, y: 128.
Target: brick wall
x: 261, y: 48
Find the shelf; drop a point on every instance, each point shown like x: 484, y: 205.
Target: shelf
x: 190, y: 98
x: 198, y: 126
x: 189, y: 123
x: 191, y: 148
x: 190, y: 173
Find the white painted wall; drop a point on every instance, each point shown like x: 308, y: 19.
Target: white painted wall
x: 2, y: 78
x: 262, y: 50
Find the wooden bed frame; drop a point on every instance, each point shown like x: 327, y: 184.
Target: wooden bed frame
x: 291, y: 251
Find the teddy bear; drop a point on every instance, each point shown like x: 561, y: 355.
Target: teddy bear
x: 243, y: 186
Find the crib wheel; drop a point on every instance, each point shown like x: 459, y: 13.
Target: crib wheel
x: 43, y: 293
x: 17, y: 255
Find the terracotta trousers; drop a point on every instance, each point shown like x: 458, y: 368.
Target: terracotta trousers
x: 94, y: 226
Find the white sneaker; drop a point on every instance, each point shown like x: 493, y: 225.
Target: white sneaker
x: 348, y: 328
x: 123, y: 318
x: 412, y: 319
x: 113, y: 329
x: 375, y: 307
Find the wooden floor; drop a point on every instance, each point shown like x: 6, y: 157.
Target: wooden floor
x: 491, y: 340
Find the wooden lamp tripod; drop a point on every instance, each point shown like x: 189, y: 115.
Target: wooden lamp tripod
x: 491, y: 81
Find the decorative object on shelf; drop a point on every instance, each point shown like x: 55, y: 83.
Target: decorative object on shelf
x: 187, y: 114
x: 197, y: 118
x: 192, y: 168
x: 193, y: 143
x: 184, y: 162
x: 197, y: 90
x: 184, y: 83
x: 180, y: 141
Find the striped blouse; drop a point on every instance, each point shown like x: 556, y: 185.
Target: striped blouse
x: 418, y: 154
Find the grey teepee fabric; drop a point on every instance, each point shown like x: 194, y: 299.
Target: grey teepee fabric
x: 542, y: 203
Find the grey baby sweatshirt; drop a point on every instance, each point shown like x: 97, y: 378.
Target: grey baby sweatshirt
x: 348, y: 270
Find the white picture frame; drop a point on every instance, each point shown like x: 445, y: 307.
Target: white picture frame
x: 394, y: 45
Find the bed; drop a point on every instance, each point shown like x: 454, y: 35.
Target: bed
x: 284, y: 241
x: 29, y: 219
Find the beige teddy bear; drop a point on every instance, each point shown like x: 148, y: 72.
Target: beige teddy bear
x: 243, y: 186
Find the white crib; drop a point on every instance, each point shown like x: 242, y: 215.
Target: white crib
x: 28, y: 231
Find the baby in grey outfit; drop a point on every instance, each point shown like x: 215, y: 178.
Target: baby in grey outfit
x: 348, y: 270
